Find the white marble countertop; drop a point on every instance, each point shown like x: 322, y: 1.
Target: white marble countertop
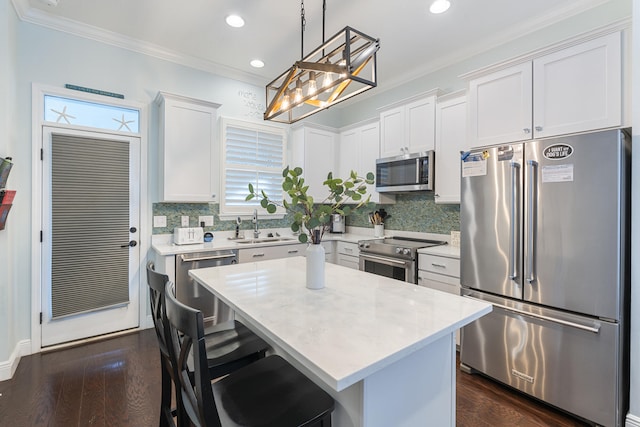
x: 163, y: 244
x: 358, y: 324
x: 444, y: 250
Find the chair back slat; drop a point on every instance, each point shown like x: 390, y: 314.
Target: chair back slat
x: 186, y: 334
x: 157, y: 284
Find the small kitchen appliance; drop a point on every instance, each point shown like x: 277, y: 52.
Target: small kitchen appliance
x: 337, y: 223
x: 406, y: 172
x: 188, y: 235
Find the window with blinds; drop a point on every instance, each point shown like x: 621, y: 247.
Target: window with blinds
x: 252, y: 153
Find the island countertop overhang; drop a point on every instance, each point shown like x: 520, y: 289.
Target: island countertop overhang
x: 358, y: 324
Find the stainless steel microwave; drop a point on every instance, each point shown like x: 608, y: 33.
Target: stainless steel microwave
x: 408, y: 172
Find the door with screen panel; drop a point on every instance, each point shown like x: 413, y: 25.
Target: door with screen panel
x: 90, y: 234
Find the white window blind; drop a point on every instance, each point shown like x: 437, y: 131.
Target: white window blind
x: 252, y: 153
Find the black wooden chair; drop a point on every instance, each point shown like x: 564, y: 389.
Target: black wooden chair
x: 267, y: 393
x: 227, y: 349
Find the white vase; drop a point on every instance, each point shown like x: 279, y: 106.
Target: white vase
x: 315, y: 266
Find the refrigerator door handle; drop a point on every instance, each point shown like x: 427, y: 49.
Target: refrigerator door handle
x: 513, y: 238
x: 594, y: 329
x: 531, y: 223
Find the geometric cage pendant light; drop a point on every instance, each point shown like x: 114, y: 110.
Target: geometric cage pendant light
x: 342, y: 67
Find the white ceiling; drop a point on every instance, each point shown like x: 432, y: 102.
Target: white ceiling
x: 413, y: 41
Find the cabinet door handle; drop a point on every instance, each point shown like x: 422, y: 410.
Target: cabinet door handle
x: 526, y: 130
x: 292, y: 251
x: 538, y: 128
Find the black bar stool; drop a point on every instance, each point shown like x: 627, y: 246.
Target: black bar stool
x: 226, y: 349
x: 267, y: 393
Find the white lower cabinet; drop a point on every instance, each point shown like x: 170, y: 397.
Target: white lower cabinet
x: 348, y: 254
x: 441, y: 273
x: 329, y: 251
x: 271, y: 252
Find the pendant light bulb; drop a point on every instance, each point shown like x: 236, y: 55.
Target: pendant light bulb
x: 285, y: 101
x: 297, y: 100
x: 327, y: 80
x: 313, y: 85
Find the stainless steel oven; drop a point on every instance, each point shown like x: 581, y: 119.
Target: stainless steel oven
x: 394, y: 257
x: 394, y: 268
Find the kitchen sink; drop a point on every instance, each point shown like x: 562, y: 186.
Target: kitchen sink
x: 264, y: 240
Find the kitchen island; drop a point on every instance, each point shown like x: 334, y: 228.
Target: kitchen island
x: 384, y: 349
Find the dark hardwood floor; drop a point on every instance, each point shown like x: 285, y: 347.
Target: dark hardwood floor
x: 116, y: 382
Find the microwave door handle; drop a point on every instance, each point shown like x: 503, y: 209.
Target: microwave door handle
x: 532, y: 221
x: 514, y: 221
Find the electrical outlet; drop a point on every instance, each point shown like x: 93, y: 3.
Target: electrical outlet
x: 184, y: 221
x: 207, y: 219
x: 159, y: 221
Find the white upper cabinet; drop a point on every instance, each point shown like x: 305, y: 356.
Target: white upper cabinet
x: 575, y: 89
x: 408, y: 127
x: 313, y: 149
x: 500, y: 106
x: 359, y: 148
x: 189, y: 169
x: 579, y: 88
x: 451, y: 134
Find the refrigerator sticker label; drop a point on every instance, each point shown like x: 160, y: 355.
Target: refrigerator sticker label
x: 557, y: 151
x: 559, y: 173
x: 474, y: 168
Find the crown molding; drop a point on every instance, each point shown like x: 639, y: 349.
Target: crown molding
x: 613, y: 27
x: 35, y: 16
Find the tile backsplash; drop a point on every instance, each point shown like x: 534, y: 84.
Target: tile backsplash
x: 411, y: 212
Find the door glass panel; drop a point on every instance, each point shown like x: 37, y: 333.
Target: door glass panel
x: 91, y: 114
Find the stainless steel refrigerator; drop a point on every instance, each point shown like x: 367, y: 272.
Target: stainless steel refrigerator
x: 544, y: 237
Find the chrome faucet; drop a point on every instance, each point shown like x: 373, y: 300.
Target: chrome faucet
x: 256, y: 233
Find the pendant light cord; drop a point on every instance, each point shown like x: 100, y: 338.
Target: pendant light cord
x: 303, y: 22
x: 324, y: 11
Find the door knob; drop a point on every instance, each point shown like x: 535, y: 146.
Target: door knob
x: 131, y: 244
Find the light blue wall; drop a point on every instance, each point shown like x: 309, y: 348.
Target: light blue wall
x: 53, y: 58
x: 8, y: 282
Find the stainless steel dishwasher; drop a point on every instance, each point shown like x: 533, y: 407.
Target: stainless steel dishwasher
x: 195, y: 295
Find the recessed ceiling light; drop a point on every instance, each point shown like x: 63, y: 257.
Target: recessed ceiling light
x: 257, y: 63
x: 235, y: 21
x: 439, y: 6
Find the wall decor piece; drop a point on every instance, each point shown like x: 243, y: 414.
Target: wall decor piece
x: 5, y: 168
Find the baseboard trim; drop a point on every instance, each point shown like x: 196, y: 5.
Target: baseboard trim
x: 8, y: 368
x: 632, y: 420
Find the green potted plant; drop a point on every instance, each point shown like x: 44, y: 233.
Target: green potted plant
x: 312, y: 218
x: 311, y: 215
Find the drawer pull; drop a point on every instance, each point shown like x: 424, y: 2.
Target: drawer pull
x: 257, y: 255
x: 292, y: 251
x: 438, y: 265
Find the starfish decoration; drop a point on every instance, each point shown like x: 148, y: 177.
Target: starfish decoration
x: 63, y: 115
x: 124, y: 123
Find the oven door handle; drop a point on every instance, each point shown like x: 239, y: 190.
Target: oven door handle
x: 385, y: 260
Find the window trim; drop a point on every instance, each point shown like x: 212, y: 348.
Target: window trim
x: 232, y: 212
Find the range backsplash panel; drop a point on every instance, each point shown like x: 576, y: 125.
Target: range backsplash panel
x: 411, y: 212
